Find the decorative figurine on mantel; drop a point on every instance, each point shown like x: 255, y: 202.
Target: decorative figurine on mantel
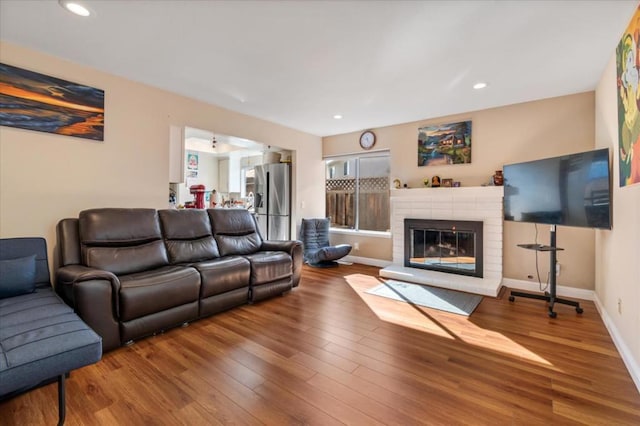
x: 498, y: 178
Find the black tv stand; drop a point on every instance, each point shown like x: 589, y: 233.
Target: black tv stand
x: 549, y: 296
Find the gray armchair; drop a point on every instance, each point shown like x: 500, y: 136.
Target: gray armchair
x: 317, y: 250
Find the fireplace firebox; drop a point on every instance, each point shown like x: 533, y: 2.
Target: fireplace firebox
x: 444, y: 245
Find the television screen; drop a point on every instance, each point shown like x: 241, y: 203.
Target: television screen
x: 571, y: 190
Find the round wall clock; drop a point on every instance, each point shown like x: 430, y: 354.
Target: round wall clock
x: 367, y: 139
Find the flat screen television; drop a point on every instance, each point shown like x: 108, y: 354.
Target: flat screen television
x: 570, y: 190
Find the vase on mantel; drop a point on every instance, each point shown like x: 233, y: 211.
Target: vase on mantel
x: 498, y: 178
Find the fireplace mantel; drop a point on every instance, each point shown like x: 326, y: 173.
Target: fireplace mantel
x: 483, y: 203
x: 463, y: 191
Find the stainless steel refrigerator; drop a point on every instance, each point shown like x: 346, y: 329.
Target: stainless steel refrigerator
x: 273, y: 200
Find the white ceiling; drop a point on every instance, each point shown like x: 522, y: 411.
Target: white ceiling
x: 202, y: 141
x: 297, y: 63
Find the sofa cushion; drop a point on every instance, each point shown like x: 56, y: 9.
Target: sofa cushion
x: 192, y: 250
x: 267, y: 266
x: 127, y: 260
x: 117, y: 227
x: 17, y: 276
x: 222, y: 275
x: 121, y: 241
x: 187, y: 235
x: 41, y: 338
x: 235, y: 231
x: 148, y: 292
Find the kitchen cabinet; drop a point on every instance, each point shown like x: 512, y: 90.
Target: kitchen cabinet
x: 230, y: 174
x: 235, y: 171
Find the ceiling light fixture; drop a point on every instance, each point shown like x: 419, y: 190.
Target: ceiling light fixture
x: 480, y: 85
x: 75, y: 8
x: 337, y: 116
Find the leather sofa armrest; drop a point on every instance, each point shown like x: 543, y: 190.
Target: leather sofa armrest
x: 294, y: 248
x: 67, y: 277
x: 94, y: 295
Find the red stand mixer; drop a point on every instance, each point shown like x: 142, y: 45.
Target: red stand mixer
x: 198, y: 192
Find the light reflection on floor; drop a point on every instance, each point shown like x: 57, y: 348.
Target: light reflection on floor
x: 442, y: 324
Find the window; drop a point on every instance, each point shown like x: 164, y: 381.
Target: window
x: 357, y: 192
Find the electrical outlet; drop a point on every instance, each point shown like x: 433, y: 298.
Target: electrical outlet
x: 620, y: 306
x: 557, y: 268
x: 356, y: 246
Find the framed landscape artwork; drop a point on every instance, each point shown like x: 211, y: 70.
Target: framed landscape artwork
x: 34, y: 101
x: 628, y: 103
x: 444, y: 144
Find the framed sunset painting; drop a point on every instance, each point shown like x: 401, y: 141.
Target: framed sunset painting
x: 34, y: 101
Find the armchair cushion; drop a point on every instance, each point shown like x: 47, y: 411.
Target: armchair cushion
x: 317, y: 250
x: 330, y: 253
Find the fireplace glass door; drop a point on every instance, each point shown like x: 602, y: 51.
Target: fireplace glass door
x: 446, y: 248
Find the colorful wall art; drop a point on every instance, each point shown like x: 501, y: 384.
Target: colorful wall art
x: 627, y: 64
x: 444, y: 144
x: 34, y: 101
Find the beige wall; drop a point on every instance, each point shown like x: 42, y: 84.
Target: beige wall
x: 503, y: 135
x: 46, y: 177
x: 618, y: 250
x: 370, y: 247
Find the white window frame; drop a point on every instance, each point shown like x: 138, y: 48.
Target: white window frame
x: 357, y: 157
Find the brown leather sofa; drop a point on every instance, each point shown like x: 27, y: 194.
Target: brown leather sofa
x: 130, y: 273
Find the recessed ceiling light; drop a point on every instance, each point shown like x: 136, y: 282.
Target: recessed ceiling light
x: 337, y: 116
x: 75, y: 8
x: 480, y: 85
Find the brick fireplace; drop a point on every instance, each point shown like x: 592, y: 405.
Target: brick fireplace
x: 466, y: 204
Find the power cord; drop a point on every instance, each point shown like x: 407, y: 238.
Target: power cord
x: 537, y: 269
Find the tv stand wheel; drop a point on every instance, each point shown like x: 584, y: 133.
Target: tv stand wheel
x: 552, y: 314
x: 579, y: 310
x: 511, y: 298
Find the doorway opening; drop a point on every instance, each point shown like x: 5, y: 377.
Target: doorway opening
x: 228, y: 167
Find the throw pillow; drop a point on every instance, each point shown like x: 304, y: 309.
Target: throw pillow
x: 17, y: 276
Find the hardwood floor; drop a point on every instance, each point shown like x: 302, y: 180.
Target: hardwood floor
x: 326, y: 353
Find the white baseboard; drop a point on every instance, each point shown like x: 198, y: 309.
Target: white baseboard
x: 563, y: 291
x: 623, y: 349
x: 367, y: 261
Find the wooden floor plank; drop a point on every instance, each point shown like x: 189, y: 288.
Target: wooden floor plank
x: 329, y: 353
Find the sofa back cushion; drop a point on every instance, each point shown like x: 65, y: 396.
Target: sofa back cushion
x: 187, y: 235
x: 235, y: 231
x: 121, y: 241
